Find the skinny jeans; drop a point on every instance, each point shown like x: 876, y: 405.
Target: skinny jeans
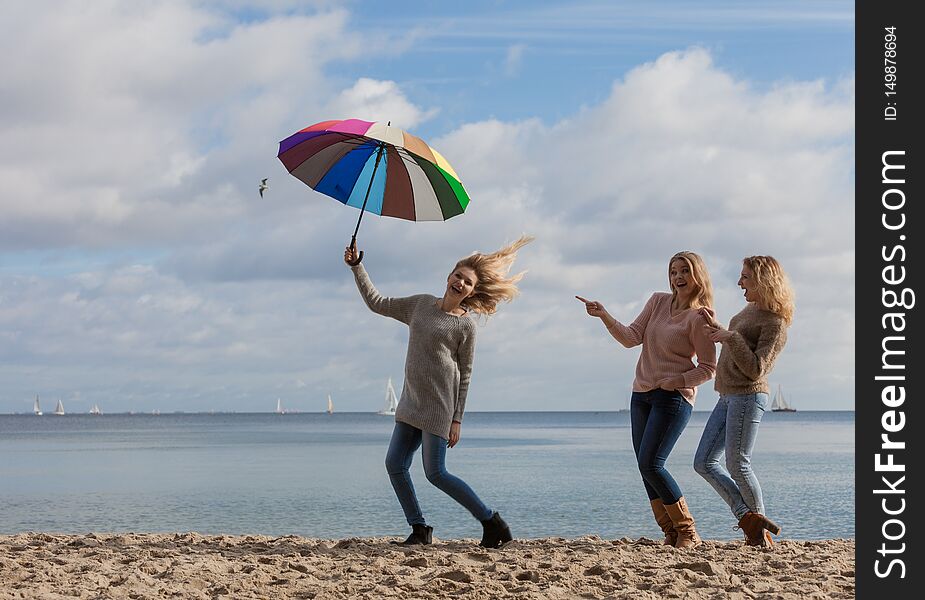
x: 405, y: 442
x: 658, y: 417
x: 732, y: 429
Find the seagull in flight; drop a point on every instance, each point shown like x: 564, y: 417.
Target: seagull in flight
x: 263, y: 186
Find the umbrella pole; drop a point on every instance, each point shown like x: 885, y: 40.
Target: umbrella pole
x: 353, y: 240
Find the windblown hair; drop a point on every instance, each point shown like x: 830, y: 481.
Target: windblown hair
x: 492, y: 283
x: 703, y: 296
x: 775, y: 293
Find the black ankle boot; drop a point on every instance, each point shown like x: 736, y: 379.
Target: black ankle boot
x: 420, y: 535
x: 495, y: 532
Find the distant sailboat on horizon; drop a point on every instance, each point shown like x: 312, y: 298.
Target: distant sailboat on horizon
x: 779, y: 403
x: 36, y: 408
x: 95, y: 410
x: 391, y: 401
x: 330, y: 405
x: 629, y: 400
x: 279, y: 407
x: 59, y: 408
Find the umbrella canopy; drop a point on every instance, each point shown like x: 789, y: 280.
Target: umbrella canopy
x: 375, y: 167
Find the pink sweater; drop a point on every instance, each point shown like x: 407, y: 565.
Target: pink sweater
x: 669, y: 343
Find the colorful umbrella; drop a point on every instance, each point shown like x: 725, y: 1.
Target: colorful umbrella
x: 375, y: 167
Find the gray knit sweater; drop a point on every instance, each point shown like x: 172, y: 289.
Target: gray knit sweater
x: 748, y: 356
x: 439, y: 360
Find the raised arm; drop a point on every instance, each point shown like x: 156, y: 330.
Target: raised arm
x: 399, y: 309
x: 758, y: 363
x: 632, y: 335
x: 628, y: 336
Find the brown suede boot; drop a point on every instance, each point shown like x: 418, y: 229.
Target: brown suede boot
x: 683, y: 524
x: 768, y: 542
x: 664, y: 521
x: 758, y: 529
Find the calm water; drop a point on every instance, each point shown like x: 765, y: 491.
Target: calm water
x: 318, y: 475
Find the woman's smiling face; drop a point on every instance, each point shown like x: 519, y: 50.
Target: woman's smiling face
x: 747, y: 282
x: 681, y: 280
x: 461, y: 283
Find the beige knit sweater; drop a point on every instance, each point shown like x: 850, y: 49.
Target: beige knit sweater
x: 669, y: 343
x: 439, y: 359
x: 748, y: 356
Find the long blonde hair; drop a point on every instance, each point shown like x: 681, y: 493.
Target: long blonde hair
x: 492, y: 283
x: 775, y: 294
x: 704, y: 294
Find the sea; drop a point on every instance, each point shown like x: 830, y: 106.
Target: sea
x: 563, y: 474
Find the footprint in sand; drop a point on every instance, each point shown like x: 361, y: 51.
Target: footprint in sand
x: 527, y: 576
x: 456, y: 575
x: 418, y: 561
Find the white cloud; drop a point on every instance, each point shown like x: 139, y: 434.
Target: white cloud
x: 373, y: 100
x: 139, y: 113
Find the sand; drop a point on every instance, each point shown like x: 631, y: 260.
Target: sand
x: 189, y: 565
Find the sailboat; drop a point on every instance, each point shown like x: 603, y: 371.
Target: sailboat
x: 36, y: 408
x: 279, y: 407
x: 391, y: 401
x: 779, y: 403
x: 330, y: 405
x: 96, y: 410
x: 59, y: 408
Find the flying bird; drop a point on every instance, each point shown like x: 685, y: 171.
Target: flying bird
x: 263, y: 186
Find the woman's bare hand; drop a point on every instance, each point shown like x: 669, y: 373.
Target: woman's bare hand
x: 710, y: 317
x: 594, y: 308
x: 454, y: 434
x: 351, y: 255
x: 717, y: 334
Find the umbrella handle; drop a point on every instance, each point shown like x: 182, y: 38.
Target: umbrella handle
x: 359, y: 259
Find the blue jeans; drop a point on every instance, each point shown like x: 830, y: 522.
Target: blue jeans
x: 733, y: 428
x: 658, y: 417
x: 405, y: 442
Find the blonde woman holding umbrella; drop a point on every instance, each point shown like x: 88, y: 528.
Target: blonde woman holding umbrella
x: 438, y: 367
x: 750, y: 346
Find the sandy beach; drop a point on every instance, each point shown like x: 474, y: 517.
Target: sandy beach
x: 189, y: 565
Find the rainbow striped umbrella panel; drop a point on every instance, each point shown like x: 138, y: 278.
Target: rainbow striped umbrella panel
x: 412, y: 180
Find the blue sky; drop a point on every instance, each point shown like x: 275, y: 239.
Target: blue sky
x: 545, y: 59
x: 139, y: 270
